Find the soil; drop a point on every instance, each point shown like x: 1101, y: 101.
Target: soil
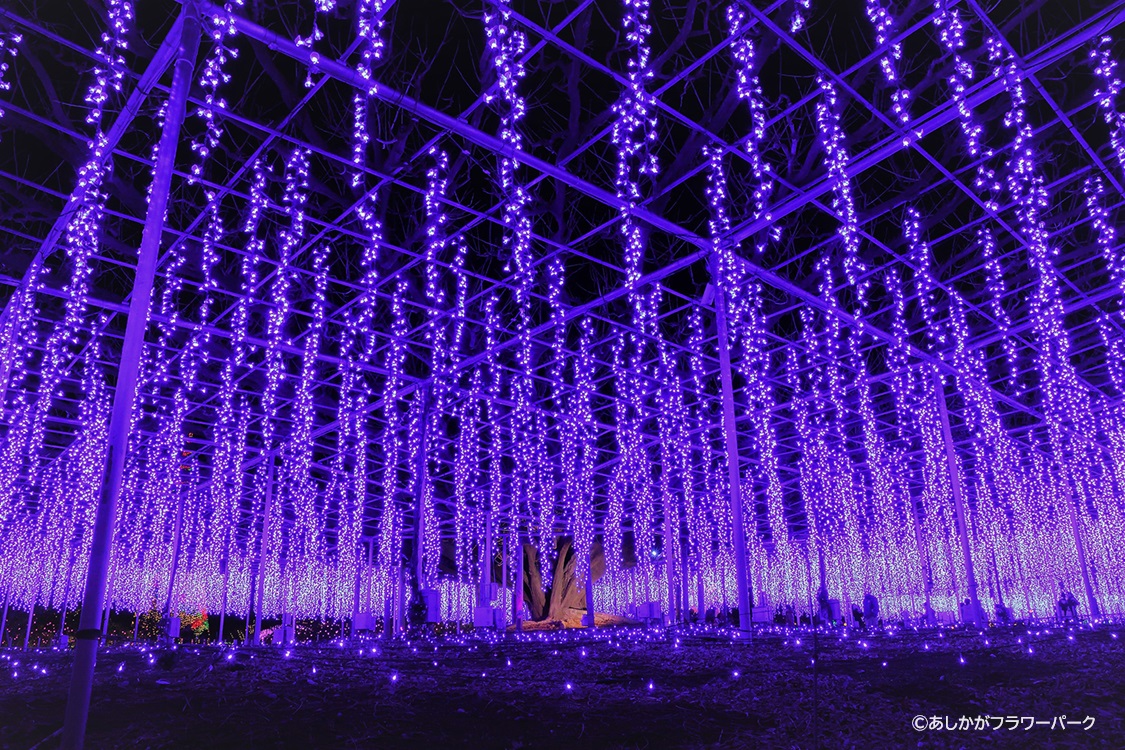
x: 610, y: 688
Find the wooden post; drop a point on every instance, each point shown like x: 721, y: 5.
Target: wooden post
x: 124, y: 396
x: 731, y: 433
x: 958, y: 503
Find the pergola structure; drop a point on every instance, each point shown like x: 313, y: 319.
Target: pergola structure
x: 749, y: 301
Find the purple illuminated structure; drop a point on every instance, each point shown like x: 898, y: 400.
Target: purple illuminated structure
x: 681, y: 313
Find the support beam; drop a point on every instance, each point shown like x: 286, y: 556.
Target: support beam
x: 224, y: 570
x: 1080, y: 548
x: 177, y: 537
x: 27, y: 630
x: 591, y: 620
x: 958, y: 501
x: 263, y: 554
x: 504, y: 547
x: 517, y: 588
x: 421, y: 469
x: 924, y: 558
x: 484, y: 595
x: 4, y: 617
x: 400, y: 590
x: 125, y: 393
x: 108, y: 605
x: 670, y: 562
x: 730, y: 431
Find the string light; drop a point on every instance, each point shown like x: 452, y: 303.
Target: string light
x: 750, y: 91
x: 883, y: 22
x: 9, y: 48
x: 369, y: 22
x: 1109, y: 86
x: 797, y: 20
x: 843, y: 203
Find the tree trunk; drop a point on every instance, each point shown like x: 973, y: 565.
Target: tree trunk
x: 567, y: 597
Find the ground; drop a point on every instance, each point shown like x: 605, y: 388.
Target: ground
x: 613, y: 688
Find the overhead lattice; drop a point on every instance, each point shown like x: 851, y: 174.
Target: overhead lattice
x: 457, y: 259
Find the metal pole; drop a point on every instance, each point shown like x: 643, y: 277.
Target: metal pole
x: 591, y: 620
x: 685, y: 583
x: 517, y: 594
x: 226, y: 586
x: 400, y: 610
x: 999, y: 584
x: 86, y: 651
x: 108, y: 606
x: 27, y: 631
x: 924, y: 557
x: 958, y: 502
x: 249, y: 636
x: 731, y: 433
x: 388, y: 607
x: 700, y: 592
x: 504, y: 546
x: 4, y: 617
x: 421, y: 467
x: 1095, y: 611
x: 177, y: 535
x: 370, y: 570
x: 670, y: 562
x: 261, y: 595
x: 355, y: 604
x: 66, y: 594
x: 484, y: 596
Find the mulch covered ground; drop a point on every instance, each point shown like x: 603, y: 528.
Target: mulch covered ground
x: 615, y: 688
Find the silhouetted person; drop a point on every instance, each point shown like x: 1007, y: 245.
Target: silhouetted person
x: 870, y: 610
x: 710, y: 617
x: 929, y: 617
x: 824, y: 613
x: 1068, y: 605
